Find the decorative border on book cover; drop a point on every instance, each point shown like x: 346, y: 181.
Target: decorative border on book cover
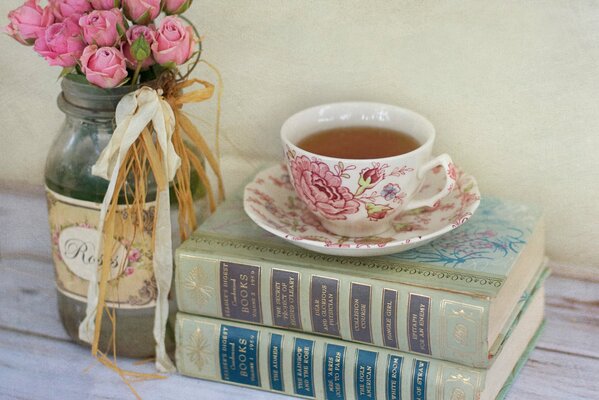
x: 369, y: 263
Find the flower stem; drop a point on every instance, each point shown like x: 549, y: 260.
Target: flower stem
x: 136, y: 74
x: 197, y: 60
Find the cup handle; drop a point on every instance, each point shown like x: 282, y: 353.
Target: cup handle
x: 450, y: 179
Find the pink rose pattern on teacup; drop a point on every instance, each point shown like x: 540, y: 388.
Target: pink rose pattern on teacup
x: 321, y: 189
x: 324, y: 193
x: 296, y: 220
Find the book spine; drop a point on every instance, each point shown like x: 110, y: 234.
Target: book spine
x: 435, y: 323
x: 314, y: 366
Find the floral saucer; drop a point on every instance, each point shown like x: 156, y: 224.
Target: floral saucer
x: 270, y: 201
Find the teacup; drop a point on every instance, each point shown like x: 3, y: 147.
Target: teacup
x: 361, y: 197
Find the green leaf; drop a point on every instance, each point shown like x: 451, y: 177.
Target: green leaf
x: 117, y: 3
x: 79, y: 78
x: 120, y: 29
x: 144, y: 19
x: 158, y: 69
x: 65, y: 71
x: 141, y: 49
x: 123, y: 82
x: 169, y: 65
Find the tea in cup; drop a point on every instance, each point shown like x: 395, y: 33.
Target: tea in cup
x: 357, y: 165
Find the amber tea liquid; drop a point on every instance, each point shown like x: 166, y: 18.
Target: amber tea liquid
x: 359, y: 142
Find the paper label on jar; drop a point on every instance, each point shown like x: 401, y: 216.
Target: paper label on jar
x: 73, y: 230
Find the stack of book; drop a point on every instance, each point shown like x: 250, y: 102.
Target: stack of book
x: 453, y: 319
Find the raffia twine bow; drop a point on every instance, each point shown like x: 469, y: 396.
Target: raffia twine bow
x: 150, y: 137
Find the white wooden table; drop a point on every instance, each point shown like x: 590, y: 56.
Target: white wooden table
x: 38, y: 360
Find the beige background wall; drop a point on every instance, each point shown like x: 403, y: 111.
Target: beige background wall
x: 512, y: 87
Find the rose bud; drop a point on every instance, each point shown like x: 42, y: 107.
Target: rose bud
x: 142, y: 12
x: 28, y: 22
x: 174, y: 42
x: 176, y: 6
x: 377, y: 211
x: 105, y: 4
x: 104, y: 66
x: 136, y: 53
x: 61, y: 44
x: 102, y: 27
x: 63, y: 9
x: 369, y: 177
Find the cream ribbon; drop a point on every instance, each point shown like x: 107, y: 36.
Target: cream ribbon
x: 133, y: 113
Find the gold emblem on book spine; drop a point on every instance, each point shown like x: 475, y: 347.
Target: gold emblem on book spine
x: 197, y: 349
x: 458, y: 394
x: 195, y: 282
x: 460, y: 334
x: 458, y: 383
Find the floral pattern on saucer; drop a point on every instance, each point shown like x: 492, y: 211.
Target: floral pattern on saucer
x: 271, y: 202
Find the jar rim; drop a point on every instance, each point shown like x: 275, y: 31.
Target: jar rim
x: 89, y: 101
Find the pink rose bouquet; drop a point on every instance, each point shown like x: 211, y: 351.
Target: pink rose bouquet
x: 107, y: 43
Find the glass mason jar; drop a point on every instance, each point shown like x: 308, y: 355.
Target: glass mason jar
x: 74, y: 198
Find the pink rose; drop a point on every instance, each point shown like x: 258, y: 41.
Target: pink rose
x: 63, y: 9
x: 28, y: 22
x: 133, y: 33
x: 142, y: 12
x: 61, y: 44
x: 176, y: 6
x: 104, y: 66
x: 174, y: 42
x: 134, y: 255
x: 129, y: 271
x: 101, y: 27
x: 321, y: 190
x: 105, y: 4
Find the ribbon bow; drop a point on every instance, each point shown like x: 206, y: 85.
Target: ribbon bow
x: 149, y: 136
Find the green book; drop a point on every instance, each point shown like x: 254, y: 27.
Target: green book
x: 320, y: 367
x: 453, y: 298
